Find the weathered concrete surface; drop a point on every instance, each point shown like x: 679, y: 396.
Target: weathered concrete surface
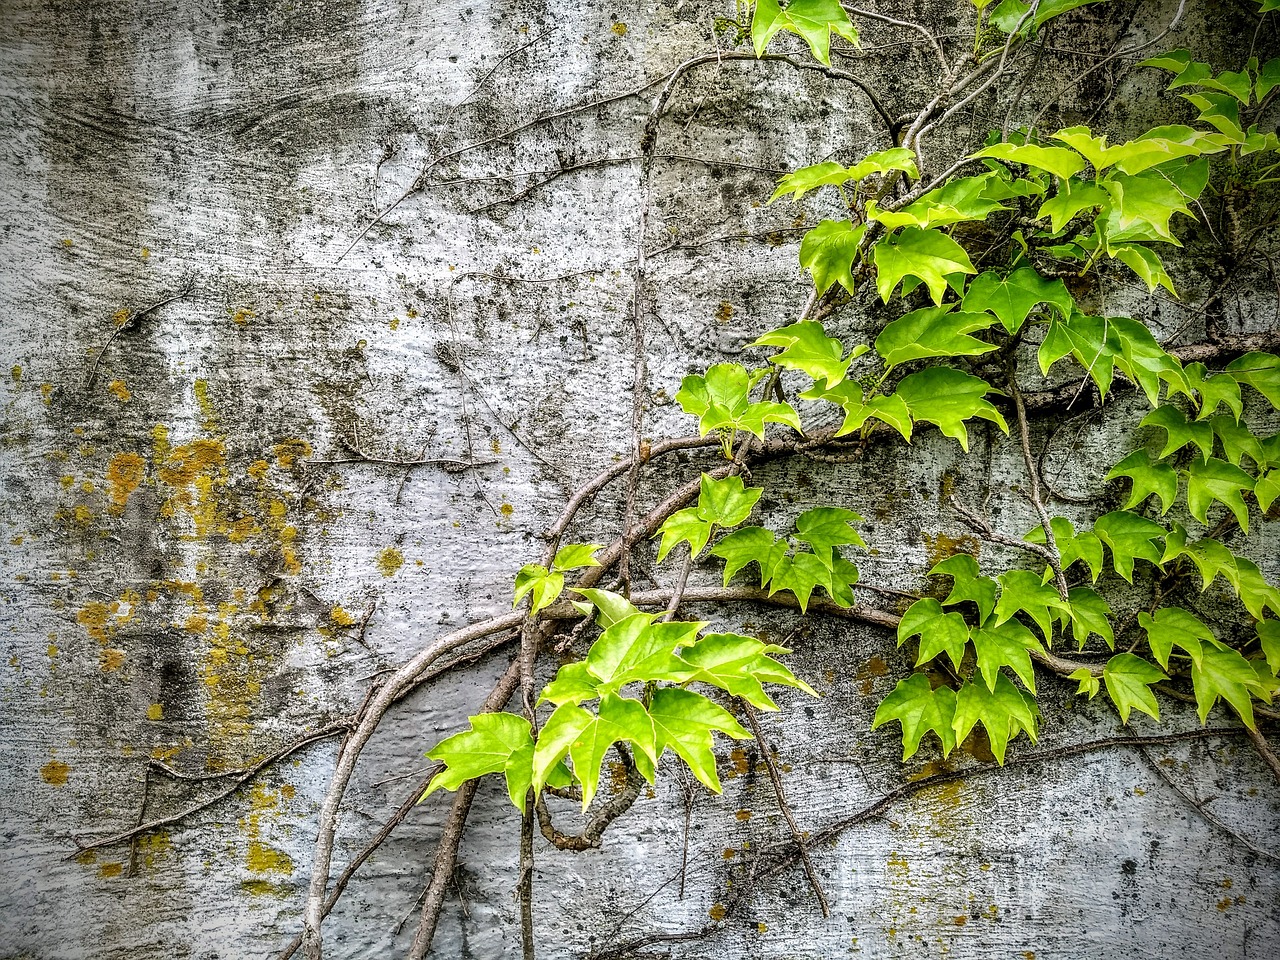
x: 176, y: 584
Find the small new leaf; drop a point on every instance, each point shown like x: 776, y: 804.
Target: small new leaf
x: 808, y: 348
x: 812, y: 20
x: 545, y: 586
x: 939, y: 631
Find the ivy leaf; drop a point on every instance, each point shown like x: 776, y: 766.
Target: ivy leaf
x: 1222, y: 672
x: 939, y: 631
x: 575, y: 555
x: 1010, y: 13
x: 933, y: 332
x: 1221, y: 111
x: 967, y: 584
x: 1179, y: 431
x: 808, y: 348
x: 1148, y: 477
x: 1004, y: 712
x: 1073, y: 197
x: 496, y: 743
x: 612, y: 607
x: 738, y: 665
x: 1006, y: 645
x: 1095, y: 344
x: 619, y: 719
x: 962, y: 200
x: 946, y: 398
x: 1173, y: 626
x: 1215, y: 479
x: 1149, y: 200
x: 1072, y: 546
x: 1267, y: 489
x: 1130, y: 538
x: 1089, y: 684
x: 891, y: 409
x: 721, y: 402
x: 1255, y: 593
x: 683, y: 720
x: 1237, y: 440
x: 1221, y: 389
x: 750, y: 545
x: 843, y: 575
x: 1145, y: 362
x: 545, y: 585
x: 1211, y: 558
x: 1269, y: 73
x: 1129, y: 680
x: 826, y: 527
x: 799, y: 182
x: 1089, y: 614
x: 1023, y: 590
x: 1059, y: 161
x: 812, y: 20
x: 574, y: 684
x: 919, y: 709
x: 684, y: 526
x: 1012, y: 298
x: 928, y: 254
x: 726, y: 502
x: 1269, y: 637
x: 637, y: 649
x: 828, y: 252
x: 1260, y: 371
x: 801, y: 575
x: 1162, y: 144
x: 1144, y: 262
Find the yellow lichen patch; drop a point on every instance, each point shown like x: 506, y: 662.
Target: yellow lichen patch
x: 145, y: 253
x: 120, y: 391
x: 619, y: 28
x: 207, y: 411
x: 340, y: 617
x: 110, y: 660
x: 153, y: 848
x: 242, y: 316
x: 95, y: 617
x: 742, y: 815
x: 55, y: 772
x: 53, y: 650
x: 717, y: 912
x: 109, y: 870
x: 46, y: 393
x: 261, y: 858
x: 507, y: 509
x: 196, y: 624
x: 66, y: 481
x: 155, y: 711
x: 16, y: 373
x: 290, y: 450
x: 395, y: 323
x: 198, y: 458
x: 258, y: 469
x: 939, y: 547
x: 160, y: 442
x: 124, y: 473
x: 120, y: 317
x: 389, y: 561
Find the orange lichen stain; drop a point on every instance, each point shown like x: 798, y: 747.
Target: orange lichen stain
x: 111, y: 659
x: 741, y: 767
x: 290, y: 450
x: 120, y: 391
x: 939, y: 547
x: 725, y: 312
x: 389, y: 561
x: 1226, y: 883
x: 155, y: 711
x: 1028, y: 955
x: 184, y: 464
x: 109, y: 870
x: 124, y: 473
x: 87, y: 857
x: 742, y: 815
x: 619, y: 28
x: 507, y: 509
x: 55, y: 772
x: 95, y: 617
x: 242, y: 316
x: 196, y: 624
x: 960, y: 920
x: 717, y: 912
x: 258, y: 469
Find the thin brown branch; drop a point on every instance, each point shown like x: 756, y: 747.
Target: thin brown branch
x: 1264, y: 750
x: 132, y: 318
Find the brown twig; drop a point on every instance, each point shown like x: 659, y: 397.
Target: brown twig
x: 132, y: 319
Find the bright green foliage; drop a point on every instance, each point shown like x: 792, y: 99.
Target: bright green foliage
x: 832, y: 174
x: 1059, y: 161
x: 812, y: 20
x: 1130, y: 538
x: 891, y: 409
x: 723, y: 503
x: 721, y: 401
x: 939, y: 631
x: 919, y: 709
x: 1221, y: 389
x: 966, y: 584
x: 739, y: 665
x: 1267, y: 489
x: 638, y: 650
x: 1237, y: 441
x: 750, y: 545
x: 930, y: 255
x: 1023, y: 591
x: 1210, y: 557
x: 1128, y: 679
x: 806, y: 347
x: 546, y: 585
x: 1269, y: 638
x: 1004, y: 712
x: 1222, y: 672
x: 1013, y: 15
x: 946, y: 397
x: 1260, y: 371
x: 1255, y: 593
x: 1174, y: 627
x: 1012, y: 298
x: 1148, y: 477
x: 968, y: 199
x: 933, y: 332
x: 1179, y: 431
x: 683, y: 720
x: 1216, y: 480
x: 1074, y: 197
x: 496, y: 743
x: 1084, y: 546
x: 1090, y: 614
x: 611, y: 607
x: 1005, y: 644
x: 586, y: 737
x: 828, y: 252
x: 1089, y: 685
x: 824, y: 528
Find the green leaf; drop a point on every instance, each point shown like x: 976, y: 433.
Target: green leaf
x: 1022, y: 590
x: 750, y: 545
x: 928, y: 254
x: 1003, y: 645
x: 1255, y: 593
x: 946, y: 398
x: 1148, y: 200
x: 546, y: 586
x: 808, y: 348
x: 587, y: 737
x: 1269, y: 637
x: 1004, y: 712
x: 1218, y: 480
x: 575, y: 555
x: 812, y: 20
x: 939, y: 631
x: 919, y: 709
x: 1059, y: 161
x: 933, y: 332
x: 1269, y: 73
x: 1130, y: 538
x: 1179, y: 431
x: 726, y: 502
x: 1072, y: 546
x: 612, y: 607
x: 574, y: 684
x: 636, y: 649
x: 1173, y: 626
x: 1260, y: 371
x: 683, y: 721
x: 1073, y: 197
x: 966, y: 584
x: 1162, y: 144
x: 1187, y: 71
x: 832, y: 174
x: 1089, y: 684
x: 496, y: 743
x: 1148, y: 477
x: 1145, y: 362
x: 824, y: 528
x: 739, y: 665
x: 891, y: 410
x: 1129, y: 680
x: 684, y: 526
x: 1094, y: 342
x: 801, y: 575
x: 1267, y: 489
x: 721, y: 402
x: 1146, y: 264
x: 828, y: 252
x: 962, y: 200
x: 1237, y: 441
x: 1012, y: 298
x: 1010, y: 13
x: 1222, y: 672
x: 1221, y: 111
x: 1211, y: 558
x: 1089, y: 614
x: 1221, y: 389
